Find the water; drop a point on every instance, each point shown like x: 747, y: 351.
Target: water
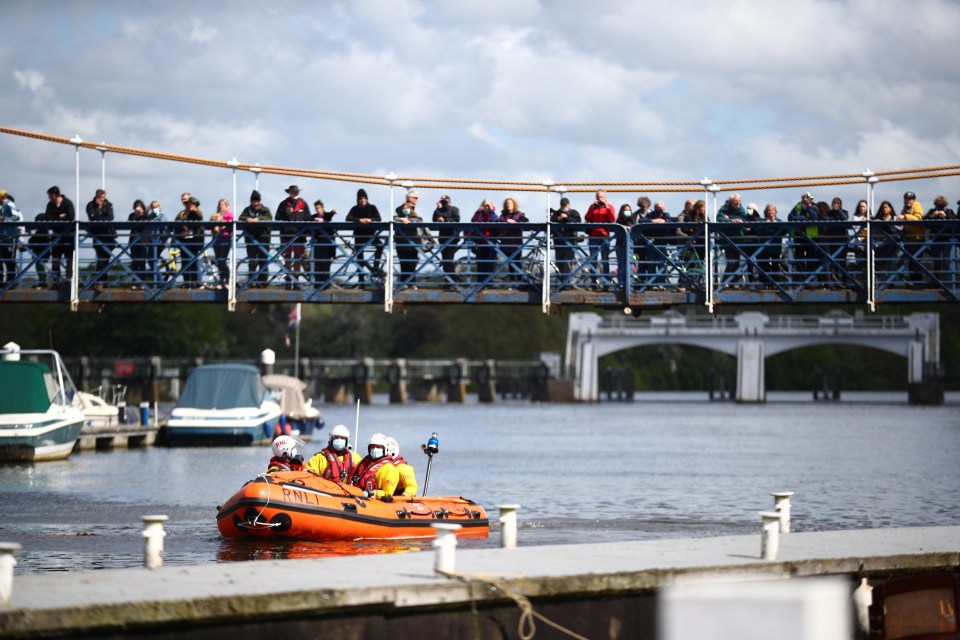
x: 666, y: 466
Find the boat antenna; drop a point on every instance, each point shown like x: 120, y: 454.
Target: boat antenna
x: 432, y: 447
x: 356, y: 428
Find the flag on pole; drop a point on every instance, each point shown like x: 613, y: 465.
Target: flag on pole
x: 292, y: 323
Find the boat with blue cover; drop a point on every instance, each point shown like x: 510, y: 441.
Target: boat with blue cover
x: 222, y: 405
x: 40, y: 410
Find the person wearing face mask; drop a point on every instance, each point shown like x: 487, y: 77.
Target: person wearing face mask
x: 335, y: 461
x: 376, y: 474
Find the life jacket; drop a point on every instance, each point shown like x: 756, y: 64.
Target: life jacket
x: 285, y: 463
x: 365, y: 475
x: 338, y: 468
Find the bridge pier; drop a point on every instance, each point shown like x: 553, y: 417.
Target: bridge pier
x: 750, y: 372
x: 397, y: 379
x: 486, y: 376
x: 457, y: 382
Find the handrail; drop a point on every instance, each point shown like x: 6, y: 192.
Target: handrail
x: 528, y: 263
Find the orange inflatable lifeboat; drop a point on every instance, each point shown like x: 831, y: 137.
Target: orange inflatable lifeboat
x: 301, y: 505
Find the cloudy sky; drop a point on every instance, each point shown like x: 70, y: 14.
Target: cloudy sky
x: 494, y: 89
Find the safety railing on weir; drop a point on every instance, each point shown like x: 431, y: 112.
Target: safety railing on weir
x: 394, y: 264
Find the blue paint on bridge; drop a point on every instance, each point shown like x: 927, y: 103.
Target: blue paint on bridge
x: 393, y: 264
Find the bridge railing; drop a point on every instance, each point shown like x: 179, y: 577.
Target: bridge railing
x: 648, y: 264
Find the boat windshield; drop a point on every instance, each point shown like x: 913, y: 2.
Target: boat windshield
x: 223, y: 386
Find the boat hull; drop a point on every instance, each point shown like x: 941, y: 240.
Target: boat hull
x: 205, y: 428
x: 299, y: 505
x: 40, y: 440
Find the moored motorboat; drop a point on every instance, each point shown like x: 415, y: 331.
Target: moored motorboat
x: 299, y: 417
x: 101, y: 415
x: 40, y: 413
x: 301, y: 505
x: 222, y: 404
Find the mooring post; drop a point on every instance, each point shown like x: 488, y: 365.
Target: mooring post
x: 153, y: 535
x: 781, y: 504
x: 7, y: 563
x: 770, y: 541
x: 508, y: 524
x: 446, y: 545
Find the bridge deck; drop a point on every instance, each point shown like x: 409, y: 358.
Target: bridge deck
x: 534, y: 264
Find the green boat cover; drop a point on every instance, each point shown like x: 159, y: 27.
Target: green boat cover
x: 223, y: 386
x: 25, y: 387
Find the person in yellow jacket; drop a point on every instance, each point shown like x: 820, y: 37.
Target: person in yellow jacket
x: 335, y: 461
x: 913, y: 237
x: 376, y: 474
x: 407, y: 485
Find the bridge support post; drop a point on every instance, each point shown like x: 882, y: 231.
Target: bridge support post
x: 923, y: 387
x: 487, y: 382
x: 457, y: 382
x: 363, y: 381
x: 397, y: 379
x: 750, y: 371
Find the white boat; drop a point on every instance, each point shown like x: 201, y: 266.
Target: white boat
x: 40, y: 410
x: 222, y: 404
x: 101, y: 414
x: 300, y: 417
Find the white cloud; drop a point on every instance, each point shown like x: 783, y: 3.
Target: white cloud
x: 659, y: 90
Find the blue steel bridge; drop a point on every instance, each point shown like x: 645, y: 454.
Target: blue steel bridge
x: 393, y: 265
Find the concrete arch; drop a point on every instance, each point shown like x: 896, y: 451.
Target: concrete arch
x: 751, y: 337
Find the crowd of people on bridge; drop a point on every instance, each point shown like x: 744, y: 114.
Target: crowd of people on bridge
x: 750, y: 252
x: 382, y: 473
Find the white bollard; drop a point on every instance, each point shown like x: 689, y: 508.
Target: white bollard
x: 153, y: 535
x: 781, y: 504
x: 508, y: 524
x: 770, y: 542
x: 7, y: 563
x: 862, y: 599
x: 446, y: 545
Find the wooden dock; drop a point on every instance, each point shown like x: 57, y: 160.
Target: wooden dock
x: 124, y: 437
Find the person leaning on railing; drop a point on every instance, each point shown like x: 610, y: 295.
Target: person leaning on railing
x: 105, y: 238
x: 913, y: 237
x: 324, y: 243
x: 602, y: 213
x: 256, y: 239
x: 941, y: 240
x: 805, y: 240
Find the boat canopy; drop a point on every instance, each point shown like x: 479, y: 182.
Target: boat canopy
x: 287, y: 391
x: 223, y: 386
x: 26, y: 387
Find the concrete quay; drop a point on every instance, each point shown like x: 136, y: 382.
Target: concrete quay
x: 596, y: 590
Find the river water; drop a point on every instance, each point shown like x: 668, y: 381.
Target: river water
x: 664, y: 466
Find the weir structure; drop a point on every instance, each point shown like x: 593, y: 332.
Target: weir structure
x: 751, y: 336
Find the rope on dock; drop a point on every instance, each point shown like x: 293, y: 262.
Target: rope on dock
x: 526, y: 627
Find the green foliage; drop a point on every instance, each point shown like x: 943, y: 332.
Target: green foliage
x: 467, y: 331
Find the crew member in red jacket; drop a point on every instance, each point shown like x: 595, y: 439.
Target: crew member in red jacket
x: 376, y: 474
x: 335, y: 461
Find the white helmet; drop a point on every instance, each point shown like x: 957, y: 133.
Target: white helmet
x: 286, y: 446
x: 339, y: 431
x: 393, y: 448
x: 377, y: 440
